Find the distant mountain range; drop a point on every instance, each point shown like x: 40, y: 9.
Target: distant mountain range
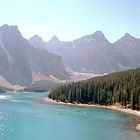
x: 21, y: 63
x: 94, y: 53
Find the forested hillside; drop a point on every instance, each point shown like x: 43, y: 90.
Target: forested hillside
x: 121, y: 87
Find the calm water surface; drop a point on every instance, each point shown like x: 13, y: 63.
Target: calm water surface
x: 23, y: 119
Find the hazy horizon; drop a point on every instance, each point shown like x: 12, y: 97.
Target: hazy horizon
x: 69, y: 20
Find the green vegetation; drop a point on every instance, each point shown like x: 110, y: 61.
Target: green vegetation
x: 41, y: 86
x: 121, y: 87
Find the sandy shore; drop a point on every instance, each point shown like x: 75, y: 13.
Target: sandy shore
x: 116, y: 108
x: 138, y: 127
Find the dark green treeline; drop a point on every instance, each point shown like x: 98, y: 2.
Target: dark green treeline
x: 121, y: 87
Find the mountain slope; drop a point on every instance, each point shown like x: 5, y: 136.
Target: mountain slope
x: 19, y: 59
x: 91, y: 53
x: 129, y: 47
x: 14, y: 65
x: 94, y: 53
x: 121, y: 87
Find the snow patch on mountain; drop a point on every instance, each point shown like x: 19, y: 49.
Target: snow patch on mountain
x: 122, y: 67
x: 9, y: 57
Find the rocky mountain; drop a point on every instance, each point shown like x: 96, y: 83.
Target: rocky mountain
x: 19, y: 59
x: 129, y: 47
x: 37, y: 42
x: 94, y: 53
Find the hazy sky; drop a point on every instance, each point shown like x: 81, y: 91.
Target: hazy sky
x: 71, y: 19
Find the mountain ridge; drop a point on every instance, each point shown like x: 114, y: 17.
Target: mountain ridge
x: 94, y: 53
x: 19, y: 58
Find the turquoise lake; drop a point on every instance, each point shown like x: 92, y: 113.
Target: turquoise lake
x: 23, y: 119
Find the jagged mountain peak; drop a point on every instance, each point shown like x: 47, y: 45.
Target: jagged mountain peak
x: 96, y: 39
x: 19, y: 58
x: 127, y: 36
x: 54, y: 39
x: 36, y: 38
x: 9, y: 26
x: 127, y: 40
x: 99, y: 34
x: 10, y: 30
x: 37, y: 42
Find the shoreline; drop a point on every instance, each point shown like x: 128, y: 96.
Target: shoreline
x: 115, y: 108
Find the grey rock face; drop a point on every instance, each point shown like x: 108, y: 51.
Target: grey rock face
x: 18, y: 58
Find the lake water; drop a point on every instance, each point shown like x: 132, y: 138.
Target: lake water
x: 23, y: 119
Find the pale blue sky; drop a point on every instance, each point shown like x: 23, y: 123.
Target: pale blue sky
x: 71, y: 19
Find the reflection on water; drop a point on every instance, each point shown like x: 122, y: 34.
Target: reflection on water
x: 23, y: 119
x: 4, y: 97
x: 5, y: 129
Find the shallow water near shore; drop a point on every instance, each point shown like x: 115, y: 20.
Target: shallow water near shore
x: 22, y: 118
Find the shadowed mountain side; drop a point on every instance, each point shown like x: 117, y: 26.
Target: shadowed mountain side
x: 19, y: 58
x: 94, y: 53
